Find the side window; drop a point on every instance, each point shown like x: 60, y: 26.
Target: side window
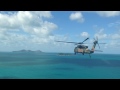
x: 80, y: 46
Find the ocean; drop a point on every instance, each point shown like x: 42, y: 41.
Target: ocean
x: 16, y: 65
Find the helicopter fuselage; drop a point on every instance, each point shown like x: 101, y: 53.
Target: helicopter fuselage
x: 82, y: 49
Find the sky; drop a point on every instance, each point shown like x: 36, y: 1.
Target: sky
x: 38, y: 30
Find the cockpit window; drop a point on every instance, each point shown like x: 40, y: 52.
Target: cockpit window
x: 79, y: 46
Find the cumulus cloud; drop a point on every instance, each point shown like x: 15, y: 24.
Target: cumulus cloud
x: 84, y: 34
x: 100, y: 34
x: 108, y: 13
x: 115, y: 36
x: 115, y: 24
x: 29, y: 30
x: 113, y: 44
x: 111, y: 40
x: 24, y: 28
x: 29, y: 21
x: 77, y: 16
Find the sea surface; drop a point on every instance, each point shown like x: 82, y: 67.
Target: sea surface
x: 15, y: 65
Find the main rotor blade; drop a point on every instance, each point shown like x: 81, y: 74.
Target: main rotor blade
x: 98, y: 50
x: 97, y: 38
x: 66, y: 42
x: 92, y: 43
x: 85, y: 40
x: 102, y: 43
x: 98, y: 46
x: 80, y: 43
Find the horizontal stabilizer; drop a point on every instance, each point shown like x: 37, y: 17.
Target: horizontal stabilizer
x: 98, y: 50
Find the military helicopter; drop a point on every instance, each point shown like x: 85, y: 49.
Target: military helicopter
x: 83, y: 48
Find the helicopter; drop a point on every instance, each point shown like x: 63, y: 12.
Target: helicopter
x: 80, y: 48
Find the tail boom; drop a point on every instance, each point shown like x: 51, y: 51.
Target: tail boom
x: 94, y: 45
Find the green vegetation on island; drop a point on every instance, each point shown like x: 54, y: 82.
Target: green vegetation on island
x: 65, y: 54
x: 28, y: 51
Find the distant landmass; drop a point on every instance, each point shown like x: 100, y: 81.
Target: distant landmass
x: 27, y: 51
x: 65, y: 54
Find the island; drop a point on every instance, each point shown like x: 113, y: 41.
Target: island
x: 65, y: 54
x: 37, y: 51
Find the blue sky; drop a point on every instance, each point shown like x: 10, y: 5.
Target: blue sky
x: 37, y: 30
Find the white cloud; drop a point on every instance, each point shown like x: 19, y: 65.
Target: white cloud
x: 108, y: 13
x: 115, y: 24
x: 77, y: 16
x: 111, y: 24
x: 25, y: 27
x: 100, y: 34
x: 113, y: 44
x: 111, y: 40
x: 115, y: 36
x: 84, y: 34
x: 24, y: 19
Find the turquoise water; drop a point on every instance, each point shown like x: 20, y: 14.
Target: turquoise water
x: 52, y: 66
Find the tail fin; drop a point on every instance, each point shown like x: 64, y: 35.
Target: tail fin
x: 94, y: 44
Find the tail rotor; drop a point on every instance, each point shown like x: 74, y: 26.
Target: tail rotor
x: 96, y: 41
